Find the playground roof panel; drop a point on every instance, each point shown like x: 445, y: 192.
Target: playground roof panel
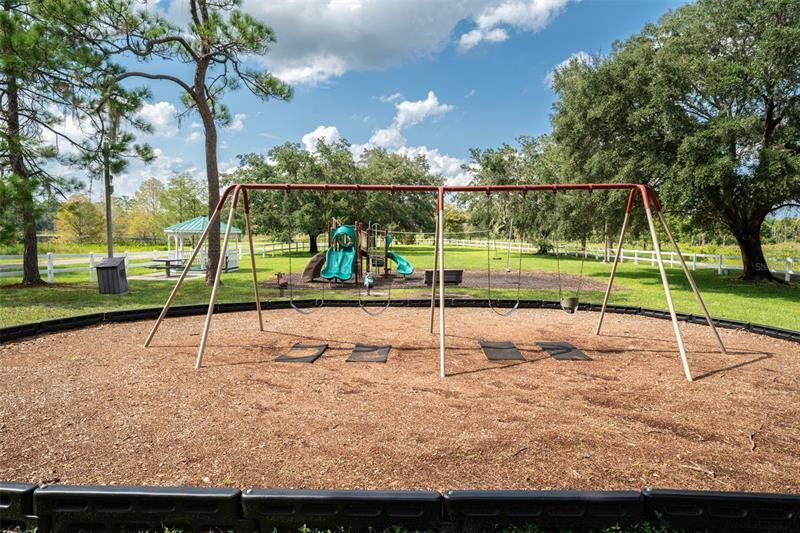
x: 196, y: 226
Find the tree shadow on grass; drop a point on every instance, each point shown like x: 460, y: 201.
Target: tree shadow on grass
x: 713, y: 283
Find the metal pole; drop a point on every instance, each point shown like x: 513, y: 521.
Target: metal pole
x: 204, y: 336
x: 107, y: 192
x: 252, y: 258
x: 442, y: 372
x: 657, y: 249
x: 691, y: 281
x: 195, y: 251
x: 434, y: 275
x: 616, y: 260
x: 508, y: 251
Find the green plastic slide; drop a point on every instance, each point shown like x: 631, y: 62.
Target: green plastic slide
x: 339, y: 263
x: 404, y: 268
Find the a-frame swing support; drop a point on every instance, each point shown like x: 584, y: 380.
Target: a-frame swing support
x: 649, y: 201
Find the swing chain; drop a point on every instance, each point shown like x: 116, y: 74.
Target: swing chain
x: 510, y: 311
x: 319, y: 301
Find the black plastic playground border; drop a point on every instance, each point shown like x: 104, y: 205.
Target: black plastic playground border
x: 70, y: 508
x: 63, y: 324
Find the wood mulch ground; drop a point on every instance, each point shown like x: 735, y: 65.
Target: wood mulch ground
x: 94, y: 406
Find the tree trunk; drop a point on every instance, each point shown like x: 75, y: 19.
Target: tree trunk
x: 212, y: 174
x: 27, y: 206
x: 748, y: 237
x: 312, y: 243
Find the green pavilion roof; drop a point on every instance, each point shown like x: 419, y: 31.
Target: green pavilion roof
x: 196, y: 226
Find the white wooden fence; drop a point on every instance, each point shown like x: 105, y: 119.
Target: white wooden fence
x: 723, y: 264
x: 58, y: 264
x: 54, y: 265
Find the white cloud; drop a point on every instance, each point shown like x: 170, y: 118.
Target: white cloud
x: 580, y: 56
x: 471, y: 93
x: 475, y: 37
x: 328, y: 134
x: 322, y: 39
x: 237, y: 122
x: 410, y: 113
x: 162, y: 168
x: 390, y: 98
x: 450, y: 168
x: 390, y: 138
x: 162, y: 117
x: 387, y: 138
x: 194, y: 137
x: 522, y: 15
x: 76, y: 129
x: 309, y: 70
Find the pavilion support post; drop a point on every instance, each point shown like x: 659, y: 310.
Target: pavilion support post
x: 195, y: 251
x: 440, y: 203
x: 616, y: 260
x: 689, y: 277
x: 246, y: 204
x: 434, y: 274
x: 220, y: 265
x: 665, y: 282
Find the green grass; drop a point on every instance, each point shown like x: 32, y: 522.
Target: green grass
x: 726, y: 296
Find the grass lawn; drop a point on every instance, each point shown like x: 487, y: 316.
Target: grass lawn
x: 726, y: 297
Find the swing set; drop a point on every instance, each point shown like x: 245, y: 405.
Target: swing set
x: 568, y: 303
x: 646, y: 193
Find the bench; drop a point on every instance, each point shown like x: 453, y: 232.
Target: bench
x: 451, y: 277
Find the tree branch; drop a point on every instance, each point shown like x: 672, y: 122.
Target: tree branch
x: 149, y: 76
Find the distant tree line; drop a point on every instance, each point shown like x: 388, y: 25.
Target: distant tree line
x: 284, y: 214
x: 143, y: 216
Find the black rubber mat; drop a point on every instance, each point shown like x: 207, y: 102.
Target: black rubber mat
x: 302, y: 353
x: 369, y: 353
x: 563, y: 351
x: 501, y: 351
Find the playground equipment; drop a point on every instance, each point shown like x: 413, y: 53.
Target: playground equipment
x: 349, y: 247
x: 513, y: 309
x: 569, y: 303
x: 649, y: 200
x: 340, y: 254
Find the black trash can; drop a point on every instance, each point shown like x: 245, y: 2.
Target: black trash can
x: 111, y: 276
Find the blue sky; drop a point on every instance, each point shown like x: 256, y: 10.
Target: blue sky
x: 415, y: 76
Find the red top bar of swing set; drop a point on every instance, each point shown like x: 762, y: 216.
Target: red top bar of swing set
x: 647, y: 192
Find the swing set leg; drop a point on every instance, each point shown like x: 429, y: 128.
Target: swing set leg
x: 168, y: 304
x: 213, y: 299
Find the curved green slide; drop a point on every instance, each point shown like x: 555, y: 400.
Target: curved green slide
x: 339, y: 263
x: 404, y: 268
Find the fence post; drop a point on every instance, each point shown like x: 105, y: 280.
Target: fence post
x: 719, y: 264
x: 787, y: 273
x: 125, y: 255
x: 91, y: 266
x: 694, y: 261
x: 636, y: 257
x: 50, y: 272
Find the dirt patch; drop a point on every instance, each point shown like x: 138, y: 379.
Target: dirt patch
x: 471, y: 279
x: 94, y: 406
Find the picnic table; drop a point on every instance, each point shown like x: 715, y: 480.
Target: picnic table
x: 169, y: 264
